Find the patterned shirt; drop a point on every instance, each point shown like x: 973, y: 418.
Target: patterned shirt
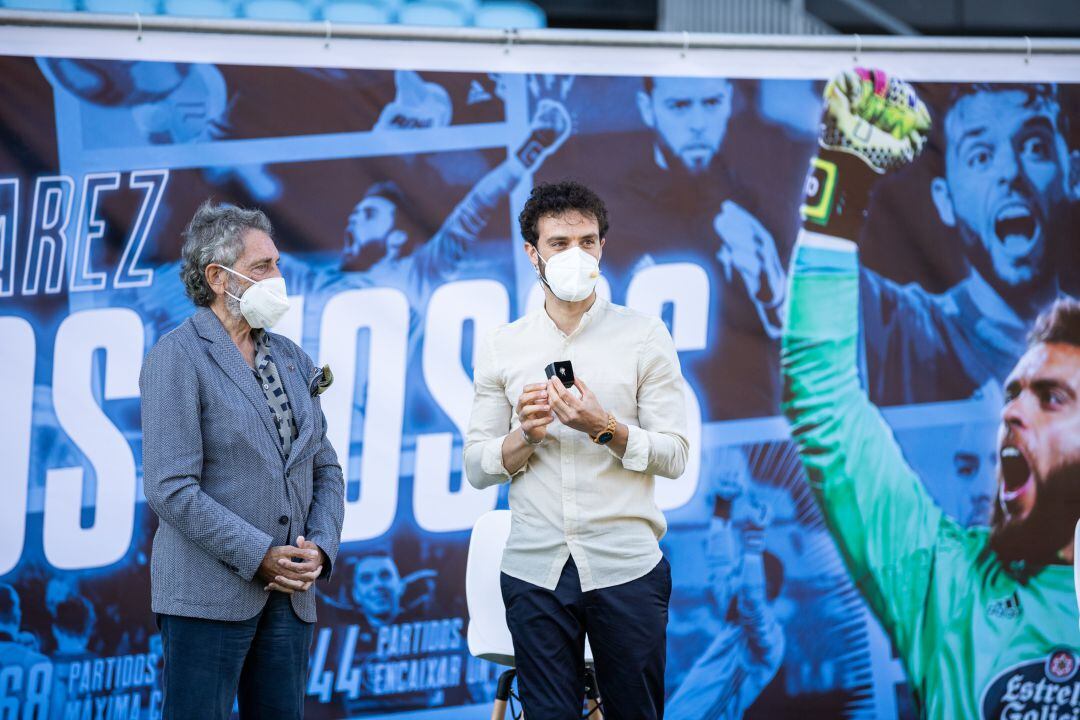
x: 266, y: 373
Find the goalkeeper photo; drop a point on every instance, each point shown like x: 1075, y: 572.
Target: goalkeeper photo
x: 983, y: 619
x: 996, y: 191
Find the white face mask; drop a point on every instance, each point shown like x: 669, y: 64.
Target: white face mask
x: 264, y: 302
x: 570, y: 274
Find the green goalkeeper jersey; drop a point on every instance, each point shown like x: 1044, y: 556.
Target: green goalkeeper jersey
x: 976, y: 640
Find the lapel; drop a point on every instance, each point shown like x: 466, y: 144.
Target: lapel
x: 295, y: 385
x: 225, y: 353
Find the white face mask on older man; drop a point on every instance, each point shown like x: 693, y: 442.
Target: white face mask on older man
x: 264, y: 302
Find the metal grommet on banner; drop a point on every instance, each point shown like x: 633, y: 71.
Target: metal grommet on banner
x: 858, y: 47
x: 138, y: 27
x: 685, y: 44
x: 1027, y: 57
x: 511, y: 34
x: 329, y: 34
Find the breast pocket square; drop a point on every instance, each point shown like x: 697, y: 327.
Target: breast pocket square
x: 321, y: 380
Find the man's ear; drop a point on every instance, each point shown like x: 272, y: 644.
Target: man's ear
x: 533, y: 255
x: 645, y: 107
x: 215, y: 277
x: 939, y: 191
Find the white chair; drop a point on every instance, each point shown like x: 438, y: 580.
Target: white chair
x: 488, y: 636
x: 520, y: 15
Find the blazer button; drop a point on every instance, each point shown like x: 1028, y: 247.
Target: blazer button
x: 284, y: 519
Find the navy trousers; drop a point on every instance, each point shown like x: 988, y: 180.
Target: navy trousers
x: 261, y: 663
x: 627, y: 627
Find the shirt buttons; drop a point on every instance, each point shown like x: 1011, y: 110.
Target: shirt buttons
x: 266, y: 386
x: 284, y: 519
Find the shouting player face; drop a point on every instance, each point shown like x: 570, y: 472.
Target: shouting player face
x: 1006, y: 184
x: 1039, y: 455
x: 373, y: 222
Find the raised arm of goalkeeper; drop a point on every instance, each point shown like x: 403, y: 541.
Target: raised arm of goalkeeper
x: 548, y: 130
x: 883, y: 520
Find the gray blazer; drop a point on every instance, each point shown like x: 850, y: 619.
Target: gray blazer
x: 214, y: 472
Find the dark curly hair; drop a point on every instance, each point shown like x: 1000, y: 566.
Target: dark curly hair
x: 1059, y: 323
x: 554, y: 199
x: 10, y: 610
x: 74, y: 616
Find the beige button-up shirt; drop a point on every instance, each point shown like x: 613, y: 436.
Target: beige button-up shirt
x: 574, y: 497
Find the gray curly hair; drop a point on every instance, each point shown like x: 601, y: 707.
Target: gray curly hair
x: 215, y: 237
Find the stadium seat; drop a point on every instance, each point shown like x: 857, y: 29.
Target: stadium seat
x: 127, y: 7
x: 52, y: 5
x: 429, y: 12
x: 488, y: 636
x: 369, y: 13
x: 198, y: 8
x: 466, y: 6
x: 288, y: 10
x: 522, y: 15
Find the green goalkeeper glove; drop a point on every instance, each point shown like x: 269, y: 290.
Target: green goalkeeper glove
x: 872, y: 123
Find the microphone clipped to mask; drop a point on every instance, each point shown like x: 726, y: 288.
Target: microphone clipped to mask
x: 571, y: 274
x: 264, y: 303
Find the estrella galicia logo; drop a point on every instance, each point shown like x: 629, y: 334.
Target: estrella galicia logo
x: 1061, y: 666
x: 1040, y: 689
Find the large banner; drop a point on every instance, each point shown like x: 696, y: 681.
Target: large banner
x: 394, y: 193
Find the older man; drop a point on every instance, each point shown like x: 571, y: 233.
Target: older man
x: 248, y: 489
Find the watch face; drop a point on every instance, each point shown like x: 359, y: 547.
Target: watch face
x: 605, y: 437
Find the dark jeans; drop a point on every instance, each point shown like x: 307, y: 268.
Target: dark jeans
x: 208, y: 661
x: 627, y: 627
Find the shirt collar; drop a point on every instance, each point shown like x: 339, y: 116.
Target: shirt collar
x: 596, y: 310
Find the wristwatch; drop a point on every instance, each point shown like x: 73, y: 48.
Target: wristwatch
x: 604, y: 436
x: 525, y: 435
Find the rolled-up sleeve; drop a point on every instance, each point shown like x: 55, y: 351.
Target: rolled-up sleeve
x: 489, y: 423
x: 658, y: 445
